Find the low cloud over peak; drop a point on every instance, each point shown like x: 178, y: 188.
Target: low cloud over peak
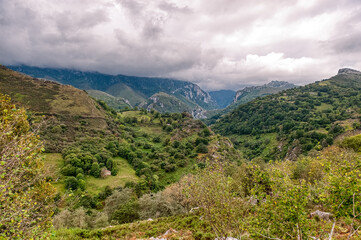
x: 219, y: 45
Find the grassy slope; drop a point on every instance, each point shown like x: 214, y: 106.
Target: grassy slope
x: 113, y: 102
x: 124, y: 91
x: 125, y: 174
x: 167, y: 103
x: 187, y: 227
x: 70, y: 112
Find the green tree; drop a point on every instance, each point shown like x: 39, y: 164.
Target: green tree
x: 71, y: 183
x: 95, y: 170
x: 25, y: 196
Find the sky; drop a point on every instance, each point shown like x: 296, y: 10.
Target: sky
x: 217, y: 44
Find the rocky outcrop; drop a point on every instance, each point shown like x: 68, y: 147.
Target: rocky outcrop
x: 194, y: 93
x: 348, y: 71
x: 199, y: 113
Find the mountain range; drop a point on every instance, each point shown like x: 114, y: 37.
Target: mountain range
x: 138, y: 158
x: 133, y: 91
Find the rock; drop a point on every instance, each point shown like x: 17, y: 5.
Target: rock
x: 193, y: 209
x: 348, y: 71
x: 322, y: 215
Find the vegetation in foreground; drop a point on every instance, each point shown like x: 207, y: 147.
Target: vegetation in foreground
x: 25, y: 195
x: 317, y: 197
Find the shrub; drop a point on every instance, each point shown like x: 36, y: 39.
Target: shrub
x: 201, y: 148
x: 352, y: 142
x: 95, y: 170
x: 127, y: 212
x: 158, y: 205
x: 71, y: 183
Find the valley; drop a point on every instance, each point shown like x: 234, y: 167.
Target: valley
x: 114, y: 165
x: 180, y: 120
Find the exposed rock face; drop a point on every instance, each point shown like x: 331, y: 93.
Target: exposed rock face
x: 194, y: 93
x: 199, y: 113
x: 348, y: 71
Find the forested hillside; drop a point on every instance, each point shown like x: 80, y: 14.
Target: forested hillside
x: 246, y: 95
x: 297, y: 120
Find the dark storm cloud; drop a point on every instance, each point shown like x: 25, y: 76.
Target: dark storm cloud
x: 218, y: 44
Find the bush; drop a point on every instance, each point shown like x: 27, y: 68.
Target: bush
x: 170, y: 167
x: 201, y: 148
x: 158, y: 205
x: 127, y: 212
x: 118, y: 198
x: 353, y: 143
x: 95, y: 170
x: 71, y: 183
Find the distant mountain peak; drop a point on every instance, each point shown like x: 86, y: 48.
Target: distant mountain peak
x: 278, y: 84
x: 348, y: 71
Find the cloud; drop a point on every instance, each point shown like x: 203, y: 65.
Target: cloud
x: 227, y: 44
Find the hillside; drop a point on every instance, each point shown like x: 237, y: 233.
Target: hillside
x: 223, y: 97
x: 296, y: 120
x: 113, y: 102
x: 163, y: 103
x: 246, y: 95
x: 103, y: 151
x: 69, y: 112
x: 135, y: 89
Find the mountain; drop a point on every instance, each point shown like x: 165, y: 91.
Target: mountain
x: 149, y: 143
x: 136, y: 90
x: 296, y: 120
x: 69, y: 112
x: 248, y: 94
x: 223, y: 97
x: 114, y: 102
x: 163, y: 102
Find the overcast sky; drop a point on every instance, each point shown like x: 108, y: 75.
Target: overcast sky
x: 218, y: 44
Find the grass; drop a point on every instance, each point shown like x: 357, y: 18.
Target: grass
x: 122, y: 90
x: 169, y: 178
x: 187, y: 227
x: 154, y: 130
x: 53, y: 163
x: 324, y: 106
x: 267, y: 143
x: 125, y: 174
